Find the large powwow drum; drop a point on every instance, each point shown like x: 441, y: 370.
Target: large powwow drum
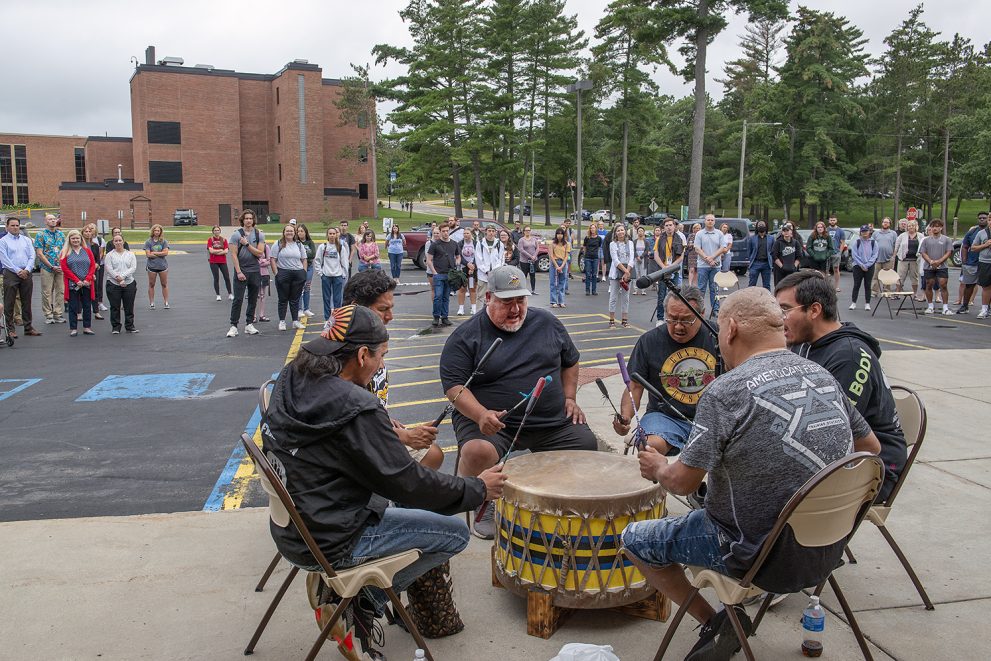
x: 558, y: 527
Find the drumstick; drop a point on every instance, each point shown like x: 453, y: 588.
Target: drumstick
x: 657, y: 394
x: 450, y: 407
x: 637, y: 442
x: 605, y: 395
x: 538, y: 388
x: 527, y: 396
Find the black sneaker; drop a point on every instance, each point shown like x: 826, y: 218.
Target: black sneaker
x: 963, y: 309
x: 362, y: 617
x: 446, y: 322
x: 696, y: 499
x: 717, y: 639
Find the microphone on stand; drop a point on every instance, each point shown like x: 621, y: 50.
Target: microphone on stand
x: 645, y: 281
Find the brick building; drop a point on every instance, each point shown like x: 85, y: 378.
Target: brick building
x: 216, y: 141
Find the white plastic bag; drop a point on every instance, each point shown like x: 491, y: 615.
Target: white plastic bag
x: 585, y: 652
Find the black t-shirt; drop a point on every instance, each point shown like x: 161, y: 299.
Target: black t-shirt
x: 539, y: 348
x: 680, y: 371
x: 761, y: 248
x: 592, y: 245
x: 444, y: 254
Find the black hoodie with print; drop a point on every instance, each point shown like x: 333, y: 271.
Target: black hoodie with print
x: 338, y: 455
x: 853, y: 358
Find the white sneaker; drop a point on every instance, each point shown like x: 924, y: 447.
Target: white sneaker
x: 946, y: 310
x: 867, y: 306
x: 151, y: 306
x: 308, y: 312
x: 474, y: 309
x: 282, y: 325
x: 853, y: 306
x: 103, y: 308
x: 296, y: 324
x: 461, y: 310
x: 218, y: 297
x: 930, y: 310
x: 230, y: 297
x: 233, y: 331
x: 166, y: 306
x: 250, y: 329
x: 983, y: 314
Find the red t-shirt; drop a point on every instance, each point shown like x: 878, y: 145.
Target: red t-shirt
x: 217, y: 244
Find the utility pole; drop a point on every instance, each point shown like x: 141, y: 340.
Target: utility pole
x: 743, y: 160
x: 577, y: 87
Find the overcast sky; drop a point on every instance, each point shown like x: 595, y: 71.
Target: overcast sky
x: 69, y: 73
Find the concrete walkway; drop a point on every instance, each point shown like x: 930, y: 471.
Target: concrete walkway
x: 180, y: 586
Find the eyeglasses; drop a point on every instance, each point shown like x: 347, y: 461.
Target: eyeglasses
x: 687, y: 323
x: 785, y: 310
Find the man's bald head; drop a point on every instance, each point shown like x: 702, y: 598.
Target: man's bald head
x: 750, y: 322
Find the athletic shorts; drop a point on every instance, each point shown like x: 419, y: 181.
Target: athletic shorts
x: 968, y: 274
x: 937, y: 274
x: 834, y: 260
x: 566, y: 437
x: 156, y: 270
x: 984, y: 274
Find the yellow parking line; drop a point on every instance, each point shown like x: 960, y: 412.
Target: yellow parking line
x: 393, y: 386
x: 621, y: 346
x: 903, y: 344
x: 601, y: 330
x: 417, y: 403
x: 417, y: 355
x: 411, y: 369
x: 598, y: 361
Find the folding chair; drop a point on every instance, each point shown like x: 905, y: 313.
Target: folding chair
x: 726, y: 280
x: 828, y: 508
x: 346, y: 584
x: 912, y: 413
x: 263, y: 397
x: 889, y: 278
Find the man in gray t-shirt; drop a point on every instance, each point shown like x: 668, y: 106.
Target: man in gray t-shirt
x: 885, y: 238
x: 709, y: 248
x: 761, y: 430
x: 935, y: 250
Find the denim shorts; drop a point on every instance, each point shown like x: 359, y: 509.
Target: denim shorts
x: 673, y: 430
x: 692, y: 539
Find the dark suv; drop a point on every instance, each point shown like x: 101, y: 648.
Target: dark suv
x: 183, y: 217
x: 739, y: 228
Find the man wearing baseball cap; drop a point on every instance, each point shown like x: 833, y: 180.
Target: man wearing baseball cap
x: 535, y: 344
x: 339, y: 457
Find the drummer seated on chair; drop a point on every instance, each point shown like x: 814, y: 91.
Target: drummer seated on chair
x: 534, y: 344
x: 761, y: 430
x: 679, y: 358
x: 338, y: 455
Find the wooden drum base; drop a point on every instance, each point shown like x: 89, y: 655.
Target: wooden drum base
x: 543, y: 618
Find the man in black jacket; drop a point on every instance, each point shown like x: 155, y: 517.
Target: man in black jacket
x: 851, y: 356
x: 338, y: 455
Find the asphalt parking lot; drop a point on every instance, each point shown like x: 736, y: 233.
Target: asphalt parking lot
x: 129, y: 424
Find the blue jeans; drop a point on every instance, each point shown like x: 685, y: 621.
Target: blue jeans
x: 662, y: 292
x: 557, y: 284
x: 673, y: 430
x: 707, y: 280
x: 396, y: 264
x: 591, y: 274
x: 332, y: 289
x: 692, y: 539
x: 366, y: 267
x: 763, y: 269
x: 442, y: 292
x: 304, y: 298
x: 438, y: 537
x: 567, y: 270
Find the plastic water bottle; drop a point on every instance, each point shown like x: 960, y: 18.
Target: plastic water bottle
x: 813, y: 623
x: 420, y: 655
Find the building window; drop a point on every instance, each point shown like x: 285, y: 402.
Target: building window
x: 165, y: 172
x: 276, y: 96
x: 301, y: 110
x: 363, y: 120
x: 280, y: 171
x: 363, y: 154
x: 20, y: 164
x: 80, y: 164
x: 6, y: 165
x: 22, y: 195
x: 164, y: 133
x: 362, y: 191
x: 278, y: 134
x: 7, y: 195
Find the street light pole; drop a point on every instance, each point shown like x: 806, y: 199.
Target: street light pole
x: 743, y: 160
x: 577, y: 87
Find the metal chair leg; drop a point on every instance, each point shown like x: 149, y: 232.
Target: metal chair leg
x: 268, y: 572
x: 673, y: 626
x: 410, y: 625
x: 849, y: 556
x: 741, y: 635
x: 851, y: 620
x: 338, y: 613
x: 908, y: 568
x: 271, y: 609
x: 764, y: 606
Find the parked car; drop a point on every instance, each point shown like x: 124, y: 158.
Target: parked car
x: 586, y: 215
x: 658, y: 218
x: 630, y: 217
x: 602, y: 215
x: 183, y: 217
x: 416, y: 243
x: 526, y: 210
x: 738, y: 227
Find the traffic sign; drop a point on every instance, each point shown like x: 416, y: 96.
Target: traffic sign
x: 393, y: 176
x: 912, y: 214
x: 653, y: 205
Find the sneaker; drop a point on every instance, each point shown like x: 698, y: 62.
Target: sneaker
x: 166, y: 305
x: 60, y: 320
x: 485, y: 527
x: 963, y: 309
x: 717, y: 639
x: 282, y: 325
x: 49, y: 321
x: 301, y: 314
x: 151, y: 306
x: 853, y: 306
x: 133, y: 330
x: 474, y: 309
x: 103, y: 308
x: 867, y: 306
x: 445, y: 322
x: 757, y: 600
x: 983, y: 314
x: 436, y: 323
x: 296, y: 324
x: 250, y: 330
x: 115, y: 332
x: 930, y: 310
x: 232, y: 332
x: 309, y: 312
x: 946, y: 310
x: 230, y: 297
x: 218, y: 297
x: 461, y: 311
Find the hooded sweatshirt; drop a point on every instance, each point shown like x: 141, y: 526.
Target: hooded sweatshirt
x: 336, y: 451
x: 853, y: 358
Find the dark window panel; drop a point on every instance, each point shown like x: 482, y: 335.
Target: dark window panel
x: 363, y: 154
x: 7, y: 195
x: 363, y: 120
x: 362, y: 191
x: 280, y: 171
x: 22, y: 195
x: 278, y: 134
x: 164, y: 133
x: 165, y: 172
x: 20, y: 165
x: 80, y: 154
x: 20, y: 151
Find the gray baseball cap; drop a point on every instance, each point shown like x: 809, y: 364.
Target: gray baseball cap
x: 508, y: 282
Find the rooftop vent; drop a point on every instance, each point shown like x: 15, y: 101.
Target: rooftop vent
x: 300, y: 61
x: 172, y: 61
x: 208, y: 67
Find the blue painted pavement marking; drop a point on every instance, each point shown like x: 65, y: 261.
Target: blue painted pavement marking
x: 6, y: 392
x: 148, y: 386
x: 216, y: 500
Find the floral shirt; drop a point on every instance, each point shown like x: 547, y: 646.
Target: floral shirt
x: 50, y: 243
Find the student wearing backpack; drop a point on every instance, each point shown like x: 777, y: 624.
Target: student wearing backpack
x: 864, y: 253
x: 331, y: 262
x: 248, y: 246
